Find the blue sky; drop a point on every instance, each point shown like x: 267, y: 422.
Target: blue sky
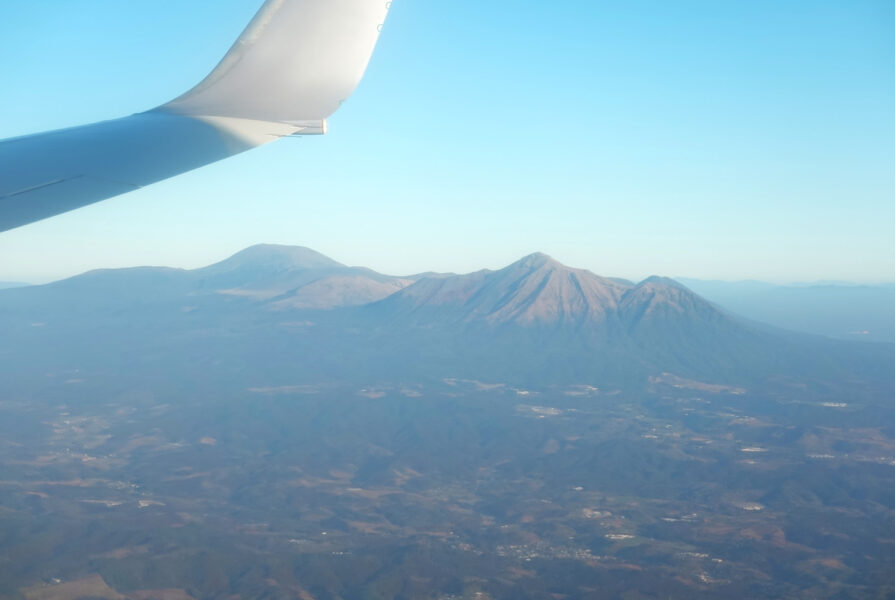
x: 728, y: 140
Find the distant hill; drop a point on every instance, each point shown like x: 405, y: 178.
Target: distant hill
x: 275, y: 315
x: 283, y: 276
x: 296, y: 277
x: 840, y: 310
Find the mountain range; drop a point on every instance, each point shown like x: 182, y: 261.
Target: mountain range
x: 846, y: 311
x: 280, y: 315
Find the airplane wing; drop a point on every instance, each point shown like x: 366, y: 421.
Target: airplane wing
x: 291, y: 68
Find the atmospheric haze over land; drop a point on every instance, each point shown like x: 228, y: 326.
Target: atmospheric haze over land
x: 534, y: 321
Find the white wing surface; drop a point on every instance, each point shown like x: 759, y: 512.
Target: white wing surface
x: 291, y: 68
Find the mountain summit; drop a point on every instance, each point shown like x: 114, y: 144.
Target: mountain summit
x: 275, y: 258
x: 533, y: 290
x: 540, y: 291
x: 296, y: 277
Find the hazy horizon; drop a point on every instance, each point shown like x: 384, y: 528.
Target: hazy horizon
x: 358, y: 261
x: 717, y: 141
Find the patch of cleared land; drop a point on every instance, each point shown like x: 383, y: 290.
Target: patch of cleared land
x: 89, y: 587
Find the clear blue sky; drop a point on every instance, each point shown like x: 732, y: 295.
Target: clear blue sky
x: 731, y: 140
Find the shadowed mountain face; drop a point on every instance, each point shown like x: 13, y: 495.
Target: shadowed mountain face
x: 295, y: 314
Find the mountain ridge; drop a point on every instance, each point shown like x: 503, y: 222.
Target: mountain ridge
x: 534, y: 289
x: 289, y: 315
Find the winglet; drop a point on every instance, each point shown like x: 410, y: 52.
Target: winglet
x: 295, y: 63
x: 292, y: 67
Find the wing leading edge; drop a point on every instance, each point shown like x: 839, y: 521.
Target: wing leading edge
x: 291, y: 68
